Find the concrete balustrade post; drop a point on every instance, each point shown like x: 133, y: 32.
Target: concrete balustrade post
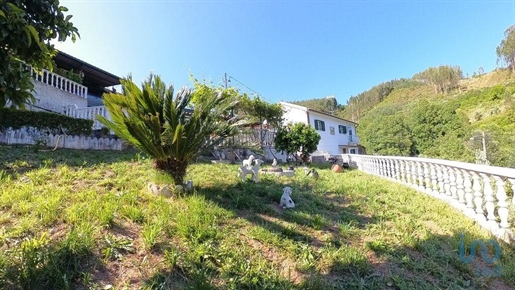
x: 489, y: 201
x: 478, y: 197
x: 453, y: 190
x: 420, y: 176
x: 434, y: 179
x: 502, y: 203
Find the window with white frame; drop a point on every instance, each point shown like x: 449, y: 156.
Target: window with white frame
x: 319, y: 125
x: 342, y: 129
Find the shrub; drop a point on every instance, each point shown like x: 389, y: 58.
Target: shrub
x: 44, y: 121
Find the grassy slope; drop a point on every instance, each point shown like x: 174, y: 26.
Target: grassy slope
x: 76, y: 219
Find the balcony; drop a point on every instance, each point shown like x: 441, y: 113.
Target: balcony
x: 60, y: 82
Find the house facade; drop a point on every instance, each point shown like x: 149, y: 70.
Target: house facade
x: 56, y: 93
x: 337, y: 135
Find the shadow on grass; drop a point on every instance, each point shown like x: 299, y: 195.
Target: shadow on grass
x: 19, y: 159
x: 365, y: 253
x: 437, y: 262
x: 58, y: 265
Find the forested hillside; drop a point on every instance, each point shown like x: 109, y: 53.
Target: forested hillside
x: 412, y: 118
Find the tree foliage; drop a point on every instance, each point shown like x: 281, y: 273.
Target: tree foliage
x: 358, y: 106
x: 298, y: 139
x: 26, y: 29
x: 426, y: 129
x: 258, y: 110
x: 506, y: 49
x: 443, y: 78
x: 164, y: 126
x: 384, y: 131
x: 327, y: 105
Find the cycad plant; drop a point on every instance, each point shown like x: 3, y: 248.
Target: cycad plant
x: 172, y: 130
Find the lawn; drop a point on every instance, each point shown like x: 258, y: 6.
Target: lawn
x: 85, y: 220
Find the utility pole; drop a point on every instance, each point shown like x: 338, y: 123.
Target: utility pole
x: 484, y: 148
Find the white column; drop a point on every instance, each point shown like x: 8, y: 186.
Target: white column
x: 434, y: 180
x: 427, y: 176
x: 478, y: 198
x: 398, y: 164
x: 441, y: 188
x: 402, y: 170
x: 469, y: 196
x: 414, y: 175
x: 502, y: 203
x: 446, y: 183
x: 489, y: 201
x: 420, y: 171
x: 453, y: 190
x: 460, y: 189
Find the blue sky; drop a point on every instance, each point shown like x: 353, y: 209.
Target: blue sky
x: 288, y: 50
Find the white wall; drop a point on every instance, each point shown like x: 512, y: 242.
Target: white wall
x: 54, y: 99
x: 294, y: 113
x: 331, y: 143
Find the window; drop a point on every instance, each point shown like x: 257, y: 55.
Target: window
x: 353, y: 151
x: 331, y: 129
x: 344, y: 150
x: 319, y: 125
x: 342, y: 129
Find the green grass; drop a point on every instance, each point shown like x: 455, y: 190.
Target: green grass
x: 84, y: 220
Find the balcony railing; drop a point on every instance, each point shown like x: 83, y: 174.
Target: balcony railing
x: 89, y: 113
x: 353, y: 139
x: 483, y: 193
x: 60, y: 83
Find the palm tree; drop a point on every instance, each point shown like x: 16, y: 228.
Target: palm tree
x: 166, y: 127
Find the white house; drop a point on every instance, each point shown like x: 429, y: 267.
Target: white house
x: 56, y: 93
x: 338, y: 136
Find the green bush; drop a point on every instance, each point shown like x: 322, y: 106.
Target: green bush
x: 44, y: 121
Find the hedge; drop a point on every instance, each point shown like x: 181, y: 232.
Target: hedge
x: 44, y: 121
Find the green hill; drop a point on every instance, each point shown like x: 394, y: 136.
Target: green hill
x: 409, y: 118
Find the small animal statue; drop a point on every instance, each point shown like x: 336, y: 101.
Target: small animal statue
x: 243, y: 171
x: 274, y: 163
x: 313, y: 173
x: 286, y: 201
x: 159, y: 190
x: 248, y: 162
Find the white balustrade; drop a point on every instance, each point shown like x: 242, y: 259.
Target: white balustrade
x: 88, y: 113
x: 60, y: 82
x: 479, y: 191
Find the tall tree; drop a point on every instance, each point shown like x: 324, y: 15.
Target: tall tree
x: 443, y: 78
x: 506, y: 50
x: 27, y: 27
x: 165, y: 127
